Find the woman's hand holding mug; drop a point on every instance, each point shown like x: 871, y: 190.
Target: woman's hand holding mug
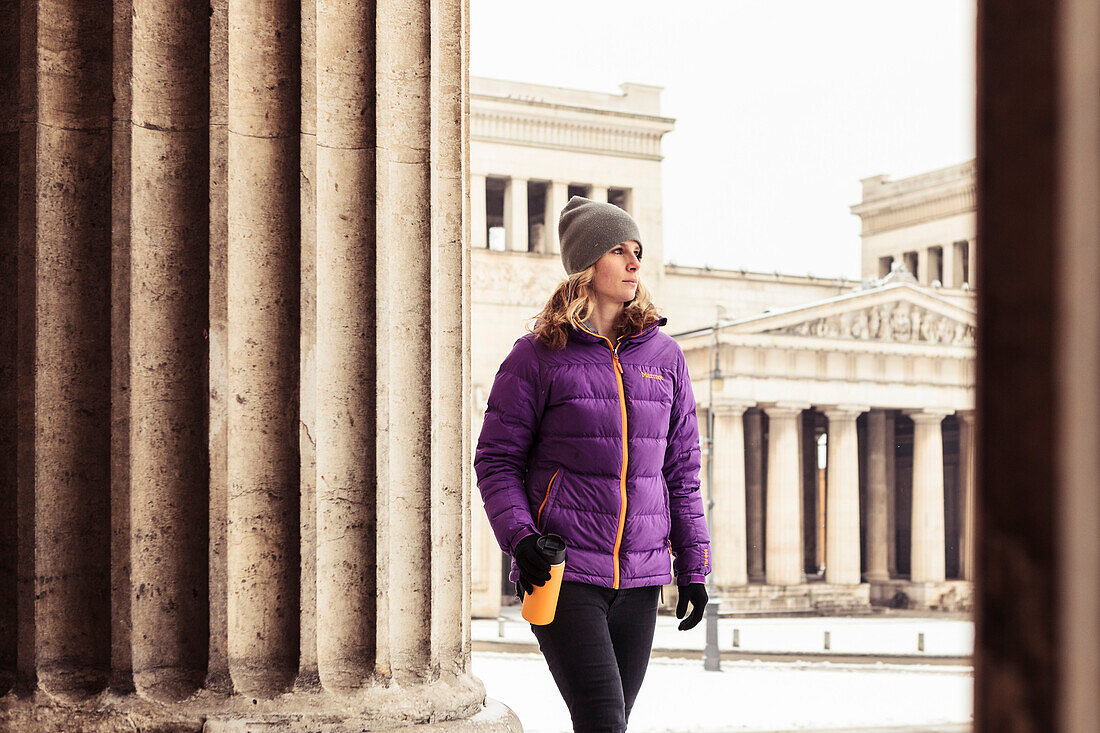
x: 534, y: 568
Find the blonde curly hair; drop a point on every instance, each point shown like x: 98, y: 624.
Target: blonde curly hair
x: 574, y: 299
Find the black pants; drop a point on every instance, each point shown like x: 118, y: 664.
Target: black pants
x: 597, y: 649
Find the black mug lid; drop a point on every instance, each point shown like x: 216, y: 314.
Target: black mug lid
x: 552, y: 547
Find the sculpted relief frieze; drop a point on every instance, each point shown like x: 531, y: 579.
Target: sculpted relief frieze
x: 898, y: 322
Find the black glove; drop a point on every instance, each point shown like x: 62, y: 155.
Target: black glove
x: 534, y: 567
x: 697, y: 594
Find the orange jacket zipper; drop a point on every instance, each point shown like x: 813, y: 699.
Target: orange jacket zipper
x: 538, y: 519
x: 626, y: 456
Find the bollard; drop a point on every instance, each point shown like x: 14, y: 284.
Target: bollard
x: 736, y: 638
x: 826, y: 641
x: 920, y: 642
x: 500, y: 627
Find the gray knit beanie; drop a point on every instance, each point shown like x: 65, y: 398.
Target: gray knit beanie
x: 589, y: 229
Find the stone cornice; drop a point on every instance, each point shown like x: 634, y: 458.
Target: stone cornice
x: 929, y: 196
x: 563, y: 133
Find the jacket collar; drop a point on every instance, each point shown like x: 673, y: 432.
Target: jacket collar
x: 584, y: 332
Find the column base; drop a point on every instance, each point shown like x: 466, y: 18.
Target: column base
x: 459, y: 705
x: 947, y: 595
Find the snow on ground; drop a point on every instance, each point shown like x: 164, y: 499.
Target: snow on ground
x: 678, y: 695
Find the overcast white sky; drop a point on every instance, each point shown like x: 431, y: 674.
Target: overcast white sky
x: 781, y: 106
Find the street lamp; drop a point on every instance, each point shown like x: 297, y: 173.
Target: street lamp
x: 711, y: 659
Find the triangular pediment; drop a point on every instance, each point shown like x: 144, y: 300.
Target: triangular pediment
x: 896, y: 312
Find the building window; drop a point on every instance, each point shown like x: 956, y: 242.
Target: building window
x: 579, y: 189
x: 910, y: 260
x: 537, y: 194
x: 885, y: 265
x: 620, y: 197
x: 962, y: 263
x: 935, y: 264
x: 494, y: 211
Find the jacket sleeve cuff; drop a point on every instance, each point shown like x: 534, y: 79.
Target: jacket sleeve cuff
x: 523, y: 532
x: 689, y: 578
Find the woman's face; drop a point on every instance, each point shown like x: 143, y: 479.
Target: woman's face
x: 616, y: 276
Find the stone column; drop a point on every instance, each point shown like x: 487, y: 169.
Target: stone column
x: 9, y: 340
x: 877, y: 528
x: 927, y: 564
x: 922, y: 266
x: 451, y: 457
x: 784, y: 535
x: 730, y: 558
x: 121, y: 122
x: 217, y: 676
x: 842, y: 560
x: 598, y: 193
x: 25, y: 336
x: 948, y: 265
x: 308, y: 675
x: 557, y: 196
x: 72, y: 389
x: 754, y: 489
x: 966, y: 490
x: 891, y: 495
x: 263, y: 550
x: 479, y: 231
x: 515, y: 215
x: 346, y: 414
x: 168, y: 306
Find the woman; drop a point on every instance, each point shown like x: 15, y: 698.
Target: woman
x: 590, y: 433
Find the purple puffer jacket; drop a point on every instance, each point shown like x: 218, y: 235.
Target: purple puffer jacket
x: 552, y: 457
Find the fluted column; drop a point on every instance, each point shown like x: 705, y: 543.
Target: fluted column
x: 479, y: 228
x: 877, y: 532
x: 218, y: 348
x: 345, y: 346
x: 842, y: 558
x: 451, y: 457
x: 9, y: 348
x: 72, y: 390
x: 263, y: 345
x: 25, y: 329
x: 557, y: 196
x: 308, y: 676
x: 598, y: 193
x: 730, y: 552
x: 515, y: 215
x: 404, y: 341
x: 168, y: 305
x: 948, y: 265
x: 927, y: 561
x: 754, y: 488
x: 784, y: 535
x: 966, y: 489
x: 891, y: 495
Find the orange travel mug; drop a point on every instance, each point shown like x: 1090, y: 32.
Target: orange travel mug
x: 540, y: 604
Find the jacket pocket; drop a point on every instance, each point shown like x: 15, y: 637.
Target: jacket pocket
x: 548, y: 500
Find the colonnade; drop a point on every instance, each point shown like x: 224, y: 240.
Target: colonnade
x: 758, y: 521
x: 517, y: 213
x: 237, y: 345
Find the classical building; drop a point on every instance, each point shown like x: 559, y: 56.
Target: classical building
x: 842, y: 410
